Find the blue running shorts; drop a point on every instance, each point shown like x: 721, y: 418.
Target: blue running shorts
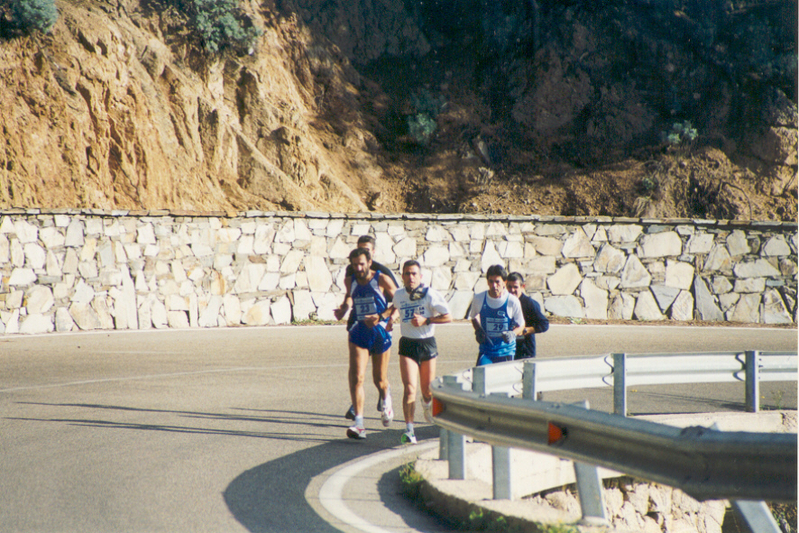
x: 377, y: 340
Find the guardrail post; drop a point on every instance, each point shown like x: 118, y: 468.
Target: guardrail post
x: 620, y: 384
x: 500, y: 463
x: 503, y: 486
x: 443, y: 442
x: 479, y: 380
x: 455, y: 444
x: 456, y: 455
x: 752, y: 381
x: 756, y: 515
x: 589, y: 491
x: 528, y: 382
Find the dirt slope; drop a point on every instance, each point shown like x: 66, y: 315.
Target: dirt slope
x: 513, y: 107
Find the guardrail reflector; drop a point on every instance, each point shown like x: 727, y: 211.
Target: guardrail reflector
x: 438, y: 406
x: 555, y: 434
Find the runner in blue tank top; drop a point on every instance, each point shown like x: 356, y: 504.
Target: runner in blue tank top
x: 497, y: 319
x: 369, y: 335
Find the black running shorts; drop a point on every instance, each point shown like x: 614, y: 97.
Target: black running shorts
x: 420, y: 350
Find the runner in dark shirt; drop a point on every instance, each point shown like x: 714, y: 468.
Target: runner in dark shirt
x: 534, y: 319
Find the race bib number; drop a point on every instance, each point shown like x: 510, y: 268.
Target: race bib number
x: 408, y: 312
x: 495, y: 326
x: 365, y: 306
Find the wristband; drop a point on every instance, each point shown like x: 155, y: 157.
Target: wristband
x: 427, y: 321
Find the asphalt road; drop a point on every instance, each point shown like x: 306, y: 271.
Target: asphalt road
x: 226, y: 429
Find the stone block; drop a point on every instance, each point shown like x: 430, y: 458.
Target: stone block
x: 595, y: 299
x: 34, y: 324
x: 664, y: 295
x: 405, y: 248
x: 257, y: 314
x: 39, y: 300
x: 490, y: 257
x: 281, y: 311
x: 755, y: 269
x: 565, y: 280
x: 679, y: 274
x: 666, y: 244
x: 459, y: 303
x: 435, y: 256
x: 776, y: 246
x: 26, y: 232
x: 84, y: 316
x: 325, y: 304
x: 747, y: 309
x: 578, y: 245
x: 634, y: 275
x: 624, y: 232
x: 727, y: 300
x: 547, y: 245
x: 646, y: 308
x: 304, y: 305
x: 718, y: 260
x: 774, y: 310
x: 21, y: 277
x: 706, y: 307
x: 700, y: 243
x: 564, y: 306
x: 52, y: 237
x: 209, y: 315
x: 750, y: 285
x: 232, y: 309
x: 609, y: 260
x: 63, y: 320
x: 177, y: 319
x: 737, y: 244
x: 683, y: 307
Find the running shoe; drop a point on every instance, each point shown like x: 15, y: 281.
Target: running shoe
x: 408, y: 438
x: 388, y: 412
x: 427, y: 410
x: 350, y: 414
x: 354, y: 432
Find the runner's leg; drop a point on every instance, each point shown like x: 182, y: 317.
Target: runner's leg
x: 409, y: 371
x: 359, y: 358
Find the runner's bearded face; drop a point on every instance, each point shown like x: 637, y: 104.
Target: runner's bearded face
x: 360, y: 267
x: 411, y: 277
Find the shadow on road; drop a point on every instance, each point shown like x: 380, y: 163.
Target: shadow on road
x: 254, y: 495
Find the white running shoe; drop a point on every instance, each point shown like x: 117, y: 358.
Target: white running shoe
x: 408, y: 438
x: 354, y: 432
x: 427, y: 410
x: 388, y: 412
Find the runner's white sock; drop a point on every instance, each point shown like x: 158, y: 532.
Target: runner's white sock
x: 359, y: 421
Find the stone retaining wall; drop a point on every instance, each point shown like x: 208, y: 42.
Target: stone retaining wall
x: 87, y: 269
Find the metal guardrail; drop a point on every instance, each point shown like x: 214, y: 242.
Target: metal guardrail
x: 703, y: 462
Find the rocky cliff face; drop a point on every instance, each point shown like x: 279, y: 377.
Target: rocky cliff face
x: 109, y: 112
x: 470, y: 106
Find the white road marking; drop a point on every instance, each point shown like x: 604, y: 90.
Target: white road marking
x: 169, y: 375
x: 331, y: 491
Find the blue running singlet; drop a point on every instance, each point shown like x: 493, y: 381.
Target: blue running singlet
x: 496, y: 321
x: 369, y: 300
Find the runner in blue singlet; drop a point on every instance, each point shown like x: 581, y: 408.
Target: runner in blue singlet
x: 497, y: 319
x: 369, y: 335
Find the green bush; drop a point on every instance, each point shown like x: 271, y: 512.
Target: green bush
x: 421, y: 127
x: 222, y: 25
x: 30, y: 15
x: 681, y: 133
